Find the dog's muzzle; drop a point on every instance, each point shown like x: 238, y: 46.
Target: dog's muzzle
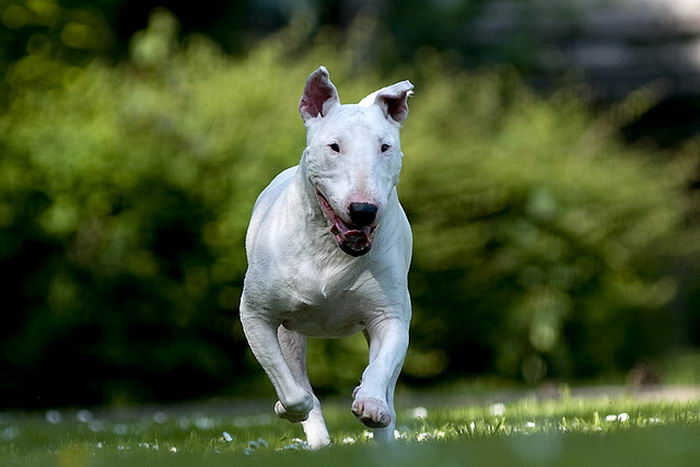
x: 355, y: 240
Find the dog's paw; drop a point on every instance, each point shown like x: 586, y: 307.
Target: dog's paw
x: 372, y: 412
x: 318, y: 440
x: 295, y: 411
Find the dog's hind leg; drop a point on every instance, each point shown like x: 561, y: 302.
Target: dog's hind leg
x: 387, y: 434
x: 293, y: 347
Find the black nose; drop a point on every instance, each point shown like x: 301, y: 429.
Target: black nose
x: 363, y: 213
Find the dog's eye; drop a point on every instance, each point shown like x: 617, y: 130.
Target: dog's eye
x: 334, y: 147
x: 385, y: 147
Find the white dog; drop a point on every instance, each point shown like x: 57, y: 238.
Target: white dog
x: 329, y: 248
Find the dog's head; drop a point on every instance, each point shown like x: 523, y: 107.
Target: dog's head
x: 353, y: 156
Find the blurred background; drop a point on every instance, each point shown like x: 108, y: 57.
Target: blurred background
x: 551, y: 176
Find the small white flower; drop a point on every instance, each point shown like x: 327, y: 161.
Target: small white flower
x: 263, y: 442
x: 423, y: 436
x: 623, y: 417
x: 120, y: 429
x: 530, y: 425
x: 9, y: 433
x: 439, y: 434
x: 203, y: 423
x: 99, y: 445
x: 367, y: 434
x: 497, y: 409
x: 348, y: 440
x: 610, y: 418
x: 121, y: 447
x: 296, y: 444
x: 472, y: 426
x: 248, y: 451
x: 399, y: 434
x: 54, y: 417
x: 160, y: 417
x: 654, y: 420
x: 84, y: 416
x: 144, y: 445
x: 96, y: 426
x: 419, y: 412
x: 172, y: 449
x: 227, y: 436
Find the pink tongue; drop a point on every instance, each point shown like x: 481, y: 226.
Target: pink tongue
x: 356, y: 236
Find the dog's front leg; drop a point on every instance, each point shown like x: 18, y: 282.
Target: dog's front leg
x: 294, y: 402
x: 374, y: 399
x: 293, y: 347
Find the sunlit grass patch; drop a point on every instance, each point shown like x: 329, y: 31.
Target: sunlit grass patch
x: 528, y: 416
x: 523, y: 431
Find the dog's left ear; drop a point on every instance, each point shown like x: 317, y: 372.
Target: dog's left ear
x: 393, y: 100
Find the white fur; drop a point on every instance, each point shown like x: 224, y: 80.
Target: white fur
x: 300, y: 283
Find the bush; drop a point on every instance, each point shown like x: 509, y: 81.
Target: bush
x: 125, y: 192
x: 539, y: 236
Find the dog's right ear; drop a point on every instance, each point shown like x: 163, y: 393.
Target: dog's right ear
x: 320, y: 95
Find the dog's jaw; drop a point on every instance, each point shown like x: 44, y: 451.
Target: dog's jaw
x: 353, y: 240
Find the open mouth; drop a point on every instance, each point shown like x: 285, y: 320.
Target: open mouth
x: 355, y: 240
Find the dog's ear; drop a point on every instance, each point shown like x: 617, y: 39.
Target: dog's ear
x: 320, y: 95
x: 393, y: 100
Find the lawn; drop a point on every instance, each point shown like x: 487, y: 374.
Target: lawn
x: 565, y: 430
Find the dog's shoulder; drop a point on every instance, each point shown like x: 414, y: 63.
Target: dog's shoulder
x: 277, y: 184
x: 264, y: 205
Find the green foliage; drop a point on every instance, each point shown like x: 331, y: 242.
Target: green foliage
x: 38, y: 37
x: 538, y: 234
x: 125, y: 192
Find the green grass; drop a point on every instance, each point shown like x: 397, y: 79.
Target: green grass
x: 569, y: 431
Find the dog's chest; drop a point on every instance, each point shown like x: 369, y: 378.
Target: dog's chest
x: 328, y: 301
x: 325, y: 320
